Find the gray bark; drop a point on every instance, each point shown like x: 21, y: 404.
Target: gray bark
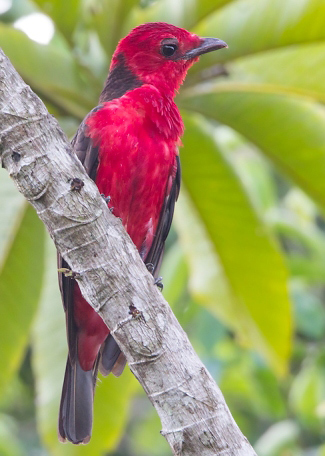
x: 195, y: 418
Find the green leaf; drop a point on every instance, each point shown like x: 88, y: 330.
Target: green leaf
x: 21, y: 276
x: 109, y: 17
x: 305, y: 244
x: 309, y: 312
x: 283, y: 70
x: 280, y: 438
x: 112, y: 398
x: 236, y: 268
x: 146, y: 440
x: 290, y: 131
x: 307, y: 394
x: 51, y: 70
x: 12, y: 205
x: 65, y: 16
x: 18, y: 9
x: 253, y: 170
x: 9, y: 444
x: 182, y: 13
x: 249, y: 383
x: 200, y: 10
x: 250, y: 27
x: 174, y: 273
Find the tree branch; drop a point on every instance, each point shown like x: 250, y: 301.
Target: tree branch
x: 111, y: 275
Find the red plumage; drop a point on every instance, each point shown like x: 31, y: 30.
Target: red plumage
x: 128, y: 145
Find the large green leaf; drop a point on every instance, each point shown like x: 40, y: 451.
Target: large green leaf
x: 252, y: 169
x: 21, y: 275
x: 250, y: 27
x: 237, y: 269
x: 290, y: 131
x: 112, y: 396
x: 51, y: 70
x: 182, y: 13
x: 109, y: 18
x: 12, y: 205
x: 65, y: 15
x: 201, y: 9
x: 282, y: 70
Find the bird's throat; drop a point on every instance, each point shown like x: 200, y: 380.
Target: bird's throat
x: 119, y: 81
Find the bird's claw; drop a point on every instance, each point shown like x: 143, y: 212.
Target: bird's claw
x: 150, y: 267
x: 159, y: 283
x: 107, y: 199
x: 69, y: 273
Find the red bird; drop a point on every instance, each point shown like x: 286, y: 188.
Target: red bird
x: 128, y: 145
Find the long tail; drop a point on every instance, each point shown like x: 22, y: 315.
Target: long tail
x: 76, y: 407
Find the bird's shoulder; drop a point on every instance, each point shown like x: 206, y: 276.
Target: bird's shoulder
x: 144, y: 109
x: 152, y: 108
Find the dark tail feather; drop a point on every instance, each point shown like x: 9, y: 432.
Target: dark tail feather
x: 112, y: 359
x: 76, y: 407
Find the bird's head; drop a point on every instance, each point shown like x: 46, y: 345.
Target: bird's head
x: 160, y: 54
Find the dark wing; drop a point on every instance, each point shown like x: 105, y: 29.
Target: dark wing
x: 88, y: 155
x: 156, y: 251
x: 83, y: 148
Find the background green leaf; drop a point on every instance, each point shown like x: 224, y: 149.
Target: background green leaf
x: 290, y: 131
x: 21, y: 273
x: 66, y: 16
x: 247, y: 254
x: 51, y: 70
x: 250, y: 27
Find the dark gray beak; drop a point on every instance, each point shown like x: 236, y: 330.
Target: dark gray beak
x: 207, y: 45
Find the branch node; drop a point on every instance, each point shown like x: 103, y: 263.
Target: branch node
x: 38, y: 195
x: 120, y: 324
x: 181, y: 429
x: 15, y: 157
x: 136, y: 313
x: 150, y: 358
x: 76, y: 184
x: 176, y: 387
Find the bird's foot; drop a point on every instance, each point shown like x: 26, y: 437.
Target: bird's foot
x: 158, y: 282
x: 150, y: 267
x: 107, y: 199
x: 69, y: 273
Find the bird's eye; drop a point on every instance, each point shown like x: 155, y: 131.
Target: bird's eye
x: 168, y: 49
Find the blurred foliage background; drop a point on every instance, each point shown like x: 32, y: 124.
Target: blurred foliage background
x: 245, y: 265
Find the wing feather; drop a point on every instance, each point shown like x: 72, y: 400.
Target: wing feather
x: 156, y: 251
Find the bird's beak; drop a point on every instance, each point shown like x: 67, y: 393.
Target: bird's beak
x: 206, y: 45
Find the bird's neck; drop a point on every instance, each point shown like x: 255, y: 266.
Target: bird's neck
x: 123, y: 78
x: 119, y: 81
